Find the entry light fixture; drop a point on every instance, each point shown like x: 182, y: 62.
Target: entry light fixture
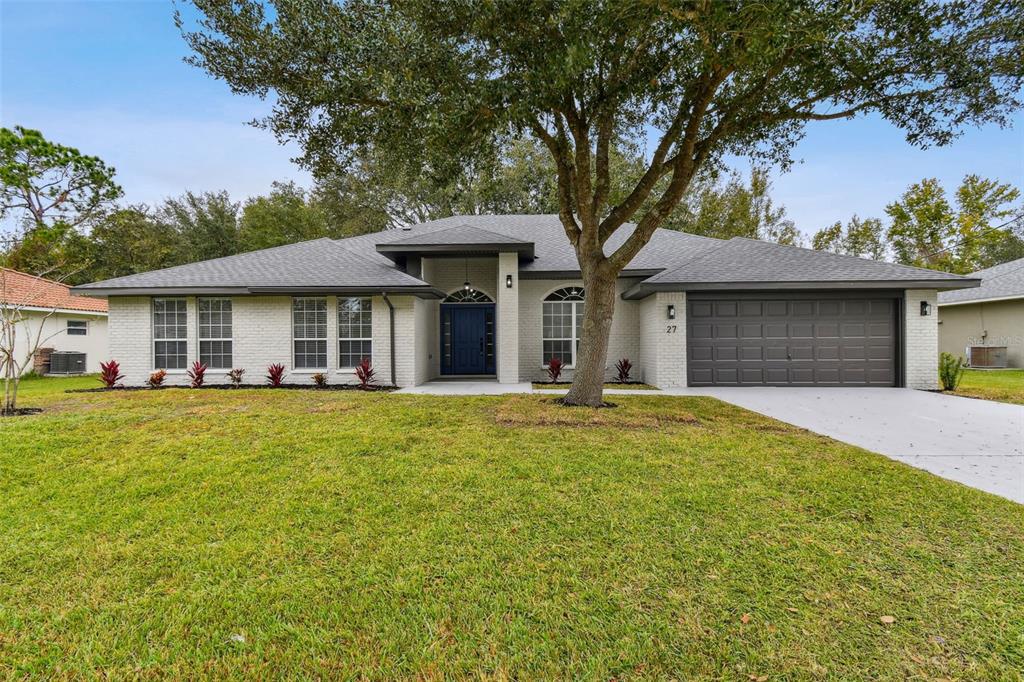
x: 926, y: 308
x: 671, y: 312
x: 465, y: 285
x: 508, y: 281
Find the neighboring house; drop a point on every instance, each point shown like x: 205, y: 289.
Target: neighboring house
x: 990, y: 315
x: 69, y: 323
x: 498, y: 296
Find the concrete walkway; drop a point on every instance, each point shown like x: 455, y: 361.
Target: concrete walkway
x: 979, y: 443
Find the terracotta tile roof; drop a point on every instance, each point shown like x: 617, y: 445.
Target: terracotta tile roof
x: 17, y: 288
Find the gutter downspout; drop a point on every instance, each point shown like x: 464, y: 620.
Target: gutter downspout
x: 391, y: 316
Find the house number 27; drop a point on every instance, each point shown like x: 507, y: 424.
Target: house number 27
x: 671, y: 329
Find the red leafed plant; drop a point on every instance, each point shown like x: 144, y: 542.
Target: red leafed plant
x: 275, y: 373
x: 622, y: 368
x: 156, y: 379
x: 555, y: 367
x: 197, y: 374
x: 365, y: 373
x: 235, y: 376
x: 110, y: 373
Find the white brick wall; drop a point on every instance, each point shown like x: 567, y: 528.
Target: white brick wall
x: 261, y: 335
x: 624, y: 341
x: 507, y: 322
x: 921, y: 335
x: 663, y: 341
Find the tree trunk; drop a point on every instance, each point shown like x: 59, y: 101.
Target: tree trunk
x: 588, y: 379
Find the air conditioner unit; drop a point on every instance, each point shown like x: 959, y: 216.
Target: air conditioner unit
x: 67, y: 362
x: 986, y: 356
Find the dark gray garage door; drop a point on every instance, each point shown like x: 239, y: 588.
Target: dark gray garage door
x: 746, y: 341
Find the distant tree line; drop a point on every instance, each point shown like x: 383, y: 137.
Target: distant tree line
x: 64, y: 217
x: 984, y: 228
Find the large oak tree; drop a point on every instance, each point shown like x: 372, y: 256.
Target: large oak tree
x: 430, y: 84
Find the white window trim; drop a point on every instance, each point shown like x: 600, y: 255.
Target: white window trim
x: 351, y: 368
x: 327, y: 355
x: 199, y: 332
x: 67, y: 327
x: 154, y: 339
x: 573, y: 342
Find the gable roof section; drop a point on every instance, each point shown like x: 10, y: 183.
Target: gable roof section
x: 462, y: 239
x: 29, y: 291
x: 320, y: 264
x: 1000, y: 282
x: 742, y: 263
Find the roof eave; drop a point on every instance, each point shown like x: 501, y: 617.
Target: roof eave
x: 420, y: 291
x: 644, y: 289
x: 396, y: 251
x: 993, y: 299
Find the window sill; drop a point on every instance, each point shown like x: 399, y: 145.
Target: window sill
x: 309, y: 371
x: 564, y: 367
x: 173, y: 372
x: 345, y: 370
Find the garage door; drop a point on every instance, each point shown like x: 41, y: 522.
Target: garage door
x: 737, y: 341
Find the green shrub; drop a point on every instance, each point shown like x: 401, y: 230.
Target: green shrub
x: 951, y: 371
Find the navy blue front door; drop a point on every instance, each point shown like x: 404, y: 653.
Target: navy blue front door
x: 467, y: 331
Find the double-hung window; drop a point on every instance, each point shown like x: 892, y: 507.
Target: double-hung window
x: 309, y: 332
x: 215, y: 332
x: 355, y: 331
x: 78, y: 328
x: 563, y: 325
x: 170, y: 333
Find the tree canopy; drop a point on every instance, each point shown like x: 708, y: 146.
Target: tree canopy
x: 433, y: 85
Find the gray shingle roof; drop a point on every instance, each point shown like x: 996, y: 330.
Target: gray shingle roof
x: 680, y: 259
x: 742, y: 260
x: 460, y: 234
x: 999, y: 281
x: 317, y: 263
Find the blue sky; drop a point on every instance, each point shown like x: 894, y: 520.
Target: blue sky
x: 108, y: 78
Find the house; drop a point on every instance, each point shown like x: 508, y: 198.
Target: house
x: 68, y: 323
x: 499, y: 295
x: 989, y: 315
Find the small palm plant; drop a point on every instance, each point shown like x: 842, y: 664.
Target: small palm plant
x: 365, y: 373
x: 275, y: 374
x: 319, y: 379
x: 622, y: 369
x: 951, y: 371
x: 156, y: 379
x: 110, y: 373
x: 555, y: 367
x: 197, y: 374
x: 235, y: 376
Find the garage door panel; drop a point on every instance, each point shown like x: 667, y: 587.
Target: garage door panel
x: 827, y: 330
x: 751, y: 308
x: 726, y: 353
x: 726, y: 331
x: 825, y: 341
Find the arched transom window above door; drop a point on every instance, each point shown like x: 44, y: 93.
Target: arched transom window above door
x: 563, y: 325
x: 468, y: 296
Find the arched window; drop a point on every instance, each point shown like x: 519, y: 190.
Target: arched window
x: 468, y: 296
x: 563, y: 325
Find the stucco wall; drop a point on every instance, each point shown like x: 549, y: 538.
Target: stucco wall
x: 624, y: 340
x: 921, y: 334
x: 54, y: 335
x: 261, y: 335
x: 1000, y: 323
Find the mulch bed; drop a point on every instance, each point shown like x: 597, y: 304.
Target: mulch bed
x: 229, y: 387
x: 22, y: 412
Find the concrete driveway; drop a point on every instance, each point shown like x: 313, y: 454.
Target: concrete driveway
x: 979, y: 443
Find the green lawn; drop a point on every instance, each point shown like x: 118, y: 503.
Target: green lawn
x: 1003, y: 385
x: 339, y: 535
